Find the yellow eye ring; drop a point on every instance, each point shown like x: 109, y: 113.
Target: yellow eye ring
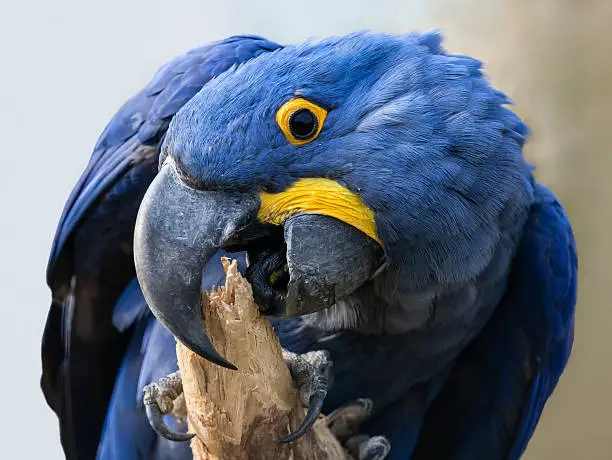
x: 300, y: 120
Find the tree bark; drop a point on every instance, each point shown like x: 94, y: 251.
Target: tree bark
x: 242, y: 414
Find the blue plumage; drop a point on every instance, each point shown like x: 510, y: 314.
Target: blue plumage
x: 494, y: 398
x: 459, y: 341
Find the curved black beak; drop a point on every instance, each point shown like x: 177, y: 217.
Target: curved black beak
x: 178, y: 230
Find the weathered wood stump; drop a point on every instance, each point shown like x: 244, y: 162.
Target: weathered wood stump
x: 242, y: 414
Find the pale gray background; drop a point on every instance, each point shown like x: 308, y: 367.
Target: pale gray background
x: 66, y: 67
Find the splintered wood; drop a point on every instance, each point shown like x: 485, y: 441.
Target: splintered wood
x: 242, y: 414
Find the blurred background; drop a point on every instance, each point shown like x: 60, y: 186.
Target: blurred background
x: 67, y: 66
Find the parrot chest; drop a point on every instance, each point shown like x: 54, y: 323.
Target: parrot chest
x: 381, y: 349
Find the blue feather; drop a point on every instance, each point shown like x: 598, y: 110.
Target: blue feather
x: 493, y: 400
x: 144, y: 119
x: 130, y: 308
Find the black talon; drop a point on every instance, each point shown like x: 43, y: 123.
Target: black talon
x: 156, y: 421
x: 315, y: 405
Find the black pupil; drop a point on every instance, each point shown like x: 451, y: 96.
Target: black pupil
x: 303, y: 124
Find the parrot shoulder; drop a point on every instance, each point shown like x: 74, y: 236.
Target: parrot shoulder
x: 492, y: 401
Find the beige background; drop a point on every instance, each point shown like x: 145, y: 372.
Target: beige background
x: 66, y: 66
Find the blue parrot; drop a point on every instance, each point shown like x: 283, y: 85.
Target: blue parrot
x: 374, y: 191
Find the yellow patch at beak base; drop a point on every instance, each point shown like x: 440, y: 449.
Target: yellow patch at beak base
x: 318, y: 196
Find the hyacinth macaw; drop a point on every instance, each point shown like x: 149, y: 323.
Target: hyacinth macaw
x: 377, y: 188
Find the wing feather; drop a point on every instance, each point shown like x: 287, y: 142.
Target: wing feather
x: 91, y: 260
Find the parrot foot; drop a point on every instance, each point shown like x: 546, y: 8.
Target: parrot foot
x: 311, y: 372
x: 160, y: 398
x: 344, y: 423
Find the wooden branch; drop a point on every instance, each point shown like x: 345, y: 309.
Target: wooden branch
x: 242, y: 414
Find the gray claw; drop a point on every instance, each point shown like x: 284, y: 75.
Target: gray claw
x: 158, y: 398
x: 375, y: 448
x: 155, y: 416
x: 313, y: 371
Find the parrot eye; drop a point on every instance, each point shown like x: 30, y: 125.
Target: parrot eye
x: 300, y: 120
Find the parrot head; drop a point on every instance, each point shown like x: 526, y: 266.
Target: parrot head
x: 330, y: 163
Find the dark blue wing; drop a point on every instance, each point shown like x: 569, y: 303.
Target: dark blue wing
x: 491, y: 404
x: 91, y: 262
x: 143, y: 121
